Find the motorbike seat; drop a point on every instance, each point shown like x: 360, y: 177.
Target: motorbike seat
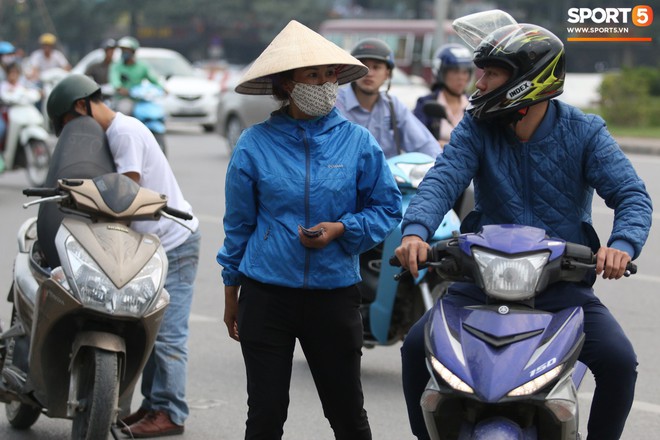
x: 81, y: 152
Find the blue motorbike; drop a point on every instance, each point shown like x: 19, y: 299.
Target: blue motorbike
x: 505, y: 370
x: 390, y: 307
x: 149, y: 111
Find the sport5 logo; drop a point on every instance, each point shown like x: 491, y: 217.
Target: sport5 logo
x: 641, y: 15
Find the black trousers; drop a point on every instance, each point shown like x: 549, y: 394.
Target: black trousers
x: 328, y: 325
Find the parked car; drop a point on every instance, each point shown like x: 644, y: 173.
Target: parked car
x: 190, y: 96
x: 236, y: 112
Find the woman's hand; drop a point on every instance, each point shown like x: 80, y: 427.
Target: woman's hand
x: 231, y: 311
x: 329, y: 231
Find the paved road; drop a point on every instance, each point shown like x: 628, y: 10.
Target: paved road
x: 216, y: 386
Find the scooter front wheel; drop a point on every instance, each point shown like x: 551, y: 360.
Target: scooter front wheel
x: 37, y: 161
x: 21, y: 415
x: 95, y: 374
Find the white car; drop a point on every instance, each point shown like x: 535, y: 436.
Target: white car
x: 190, y: 96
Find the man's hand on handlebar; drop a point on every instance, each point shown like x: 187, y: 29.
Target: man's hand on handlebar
x: 411, y: 252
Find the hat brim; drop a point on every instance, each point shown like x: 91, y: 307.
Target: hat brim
x: 297, y: 46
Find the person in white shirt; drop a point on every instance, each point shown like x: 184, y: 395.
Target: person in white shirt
x: 47, y: 57
x: 136, y: 153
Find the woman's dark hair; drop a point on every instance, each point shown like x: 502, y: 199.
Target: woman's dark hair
x: 279, y: 79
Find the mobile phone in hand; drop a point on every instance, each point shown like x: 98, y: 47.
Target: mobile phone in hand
x: 310, y: 233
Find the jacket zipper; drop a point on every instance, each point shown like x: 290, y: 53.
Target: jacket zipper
x: 307, y: 190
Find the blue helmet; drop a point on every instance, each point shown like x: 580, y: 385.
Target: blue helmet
x: 6, y: 48
x: 451, y: 56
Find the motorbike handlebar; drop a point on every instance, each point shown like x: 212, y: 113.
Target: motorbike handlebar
x: 176, y: 213
x: 41, y: 192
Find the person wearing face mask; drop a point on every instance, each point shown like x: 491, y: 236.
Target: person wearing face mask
x: 306, y: 192
x: 129, y: 72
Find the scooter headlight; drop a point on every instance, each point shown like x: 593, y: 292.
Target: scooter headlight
x: 537, y: 383
x: 452, y: 380
x: 97, y: 291
x: 510, y: 279
x: 413, y: 172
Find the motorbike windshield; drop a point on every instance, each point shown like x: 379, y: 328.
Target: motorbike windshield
x: 474, y: 28
x: 118, y: 191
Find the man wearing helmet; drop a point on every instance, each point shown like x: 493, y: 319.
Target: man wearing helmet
x: 99, y: 71
x: 535, y: 161
x: 136, y: 153
x: 452, y: 71
x: 129, y: 72
x: 392, y: 124
x: 47, y: 57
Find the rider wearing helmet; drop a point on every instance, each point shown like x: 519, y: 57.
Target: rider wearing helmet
x: 452, y: 71
x: 392, y: 124
x: 47, y: 57
x: 535, y: 161
x: 136, y: 153
x: 62, y: 100
x: 99, y: 71
x: 129, y: 72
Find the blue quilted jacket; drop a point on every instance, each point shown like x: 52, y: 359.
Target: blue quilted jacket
x: 547, y: 182
x: 286, y: 172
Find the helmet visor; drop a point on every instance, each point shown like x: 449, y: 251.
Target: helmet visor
x: 474, y: 28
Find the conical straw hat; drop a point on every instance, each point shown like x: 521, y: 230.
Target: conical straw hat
x: 297, y: 46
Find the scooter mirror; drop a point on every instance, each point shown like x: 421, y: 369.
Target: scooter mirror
x: 434, y: 109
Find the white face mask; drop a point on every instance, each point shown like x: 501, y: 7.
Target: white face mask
x: 315, y: 100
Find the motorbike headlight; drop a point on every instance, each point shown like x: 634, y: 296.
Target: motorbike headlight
x: 95, y: 290
x: 414, y: 172
x: 537, y: 383
x: 510, y: 279
x: 452, y: 380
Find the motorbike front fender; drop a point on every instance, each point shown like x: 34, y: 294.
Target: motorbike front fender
x: 103, y: 340
x: 500, y: 428
x: 33, y: 132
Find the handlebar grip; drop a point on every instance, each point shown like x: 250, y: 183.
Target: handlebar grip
x: 631, y: 269
x: 394, y: 261
x: 41, y: 192
x: 176, y: 213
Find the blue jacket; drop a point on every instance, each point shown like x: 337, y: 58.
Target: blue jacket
x: 286, y: 172
x: 547, y: 182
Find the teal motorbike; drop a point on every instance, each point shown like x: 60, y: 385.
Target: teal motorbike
x: 391, y: 306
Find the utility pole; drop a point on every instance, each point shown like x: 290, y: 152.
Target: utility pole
x: 441, y: 9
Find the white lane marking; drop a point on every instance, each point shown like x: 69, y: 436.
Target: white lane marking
x: 637, y: 405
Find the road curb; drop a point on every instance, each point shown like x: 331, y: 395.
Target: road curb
x: 648, y: 146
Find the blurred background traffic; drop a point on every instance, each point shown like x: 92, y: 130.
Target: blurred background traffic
x: 199, y: 49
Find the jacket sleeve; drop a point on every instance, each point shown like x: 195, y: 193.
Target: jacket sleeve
x: 240, y: 215
x: 379, y: 202
x: 419, y: 112
x: 614, y: 178
x: 449, y: 177
x: 416, y: 137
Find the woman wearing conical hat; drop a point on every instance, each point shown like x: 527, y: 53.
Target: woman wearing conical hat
x: 306, y: 192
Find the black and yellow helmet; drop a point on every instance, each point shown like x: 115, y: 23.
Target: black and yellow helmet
x: 534, y: 56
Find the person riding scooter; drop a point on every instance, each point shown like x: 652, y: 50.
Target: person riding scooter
x: 129, y: 72
x: 535, y: 161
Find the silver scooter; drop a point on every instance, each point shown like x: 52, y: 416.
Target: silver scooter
x: 82, y: 332
x: 26, y: 141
